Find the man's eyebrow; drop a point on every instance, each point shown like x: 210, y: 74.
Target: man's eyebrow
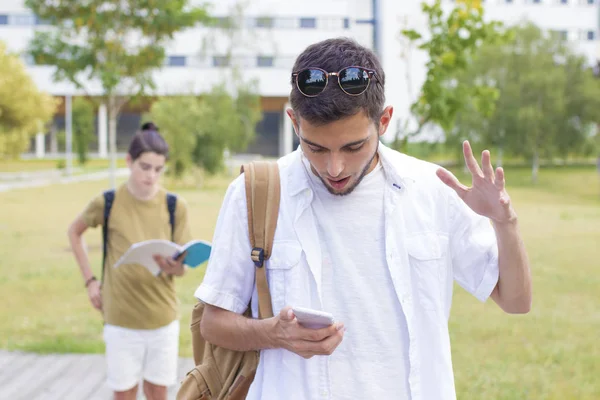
x: 357, y: 142
x: 311, y: 143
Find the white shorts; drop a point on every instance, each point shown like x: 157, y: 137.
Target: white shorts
x: 133, y: 354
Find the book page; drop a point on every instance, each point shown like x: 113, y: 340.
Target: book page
x: 142, y: 253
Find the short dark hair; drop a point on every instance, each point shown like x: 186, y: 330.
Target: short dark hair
x: 147, y: 139
x: 333, y: 104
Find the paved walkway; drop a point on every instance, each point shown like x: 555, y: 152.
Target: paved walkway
x: 50, y: 179
x: 28, y: 376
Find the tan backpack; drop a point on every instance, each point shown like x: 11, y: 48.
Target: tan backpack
x: 222, y: 373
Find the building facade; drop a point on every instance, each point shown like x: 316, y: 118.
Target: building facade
x: 273, y: 32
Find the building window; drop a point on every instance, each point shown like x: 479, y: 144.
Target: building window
x: 264, y: 22
x: 308, y: 23
x: 591, y: 2
x: 264, y: 61
x: 536, y: 1
x: 223, y: 22
x: 591, y: 35
x: 177, y: 61
x: 22, y: 20
x: 346, y: 23
x: 3, y: 19
x: 39, y: 21
x: 220, y: 61
x: 562, y: 35
x: 564, y: 1
x: 28, y: 59
x: 508, y: 1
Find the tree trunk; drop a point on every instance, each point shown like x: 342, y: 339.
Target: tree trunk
x: 535, y: 167
x: 112, y: 139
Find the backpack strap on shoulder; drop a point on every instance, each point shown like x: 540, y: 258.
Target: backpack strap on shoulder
x: 172, y: 206
x: 262, y: 197
x: 109, y: 198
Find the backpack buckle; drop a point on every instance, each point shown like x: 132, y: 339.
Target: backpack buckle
x: 258, y: 256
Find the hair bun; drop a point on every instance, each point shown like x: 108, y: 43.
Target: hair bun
x: 149, y: 126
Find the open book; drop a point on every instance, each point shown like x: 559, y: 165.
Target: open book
x: 197, y: 252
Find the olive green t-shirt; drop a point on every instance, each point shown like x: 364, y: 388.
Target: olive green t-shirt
x: 131, y: 296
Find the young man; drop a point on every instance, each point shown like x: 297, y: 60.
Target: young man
x: 140, y: 310
x: 370, y: 235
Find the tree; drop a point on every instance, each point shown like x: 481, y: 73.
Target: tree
x: 116, y: 44
x: 222, y: 119
x: 452, y: 40
x: 548, y: 104
x: 200, y: 129
x: 83, y: 127
x: 179, y: 119
x: 582, y: 107
x: 24, y: 110
x: 229, y: 123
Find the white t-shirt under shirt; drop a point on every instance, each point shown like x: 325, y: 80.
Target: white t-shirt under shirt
x: 372, y: 360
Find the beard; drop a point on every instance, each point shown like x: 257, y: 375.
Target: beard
x: 353, y: 186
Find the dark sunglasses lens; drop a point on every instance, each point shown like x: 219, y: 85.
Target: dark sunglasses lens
x: 311, y: 82
x: 354, y: 80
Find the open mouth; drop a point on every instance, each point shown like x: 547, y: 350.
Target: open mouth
x: 338, y: 184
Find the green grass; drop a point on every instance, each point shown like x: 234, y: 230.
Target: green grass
x: 551, y: 353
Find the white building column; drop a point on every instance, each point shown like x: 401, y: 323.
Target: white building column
x: 102, y: 131
x: 40, y: 145
x: 286, y: 133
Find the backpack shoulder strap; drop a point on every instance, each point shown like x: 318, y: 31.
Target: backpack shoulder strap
x: 262, y: 196
x: 109, y: 198
x: 172, y: 206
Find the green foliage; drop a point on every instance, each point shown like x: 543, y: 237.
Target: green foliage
x: 179, y: 119
x: 117, y: 43
x: 450, y: 44
x: 24, y: 110
x: 83, y: 127
x: 548, y: 103
x: 200, y: 129
x: 112, y: 41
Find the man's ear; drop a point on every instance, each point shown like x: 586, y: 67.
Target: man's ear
x: 295, y: 122
x: 384, y: 120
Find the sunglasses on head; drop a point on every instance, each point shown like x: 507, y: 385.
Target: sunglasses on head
x: 352, y: 80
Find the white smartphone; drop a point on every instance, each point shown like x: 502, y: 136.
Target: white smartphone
x: 313, y: 319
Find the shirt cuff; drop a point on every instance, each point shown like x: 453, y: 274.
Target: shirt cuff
x: 489, y: 281
x: 219, y: 299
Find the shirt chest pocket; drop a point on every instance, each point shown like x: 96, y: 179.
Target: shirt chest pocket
x: 427, y: 262
x: 283, y: 273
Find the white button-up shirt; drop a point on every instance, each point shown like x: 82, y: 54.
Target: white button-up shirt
x: 431, y: 239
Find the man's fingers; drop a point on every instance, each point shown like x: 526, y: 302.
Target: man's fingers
x: 499, y: 180
x: 286, y: 314
x: 317, y: 335
x: 450, y: 180
x: 323, y: 347
x: 470, y: 160
x: 486, y: 164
